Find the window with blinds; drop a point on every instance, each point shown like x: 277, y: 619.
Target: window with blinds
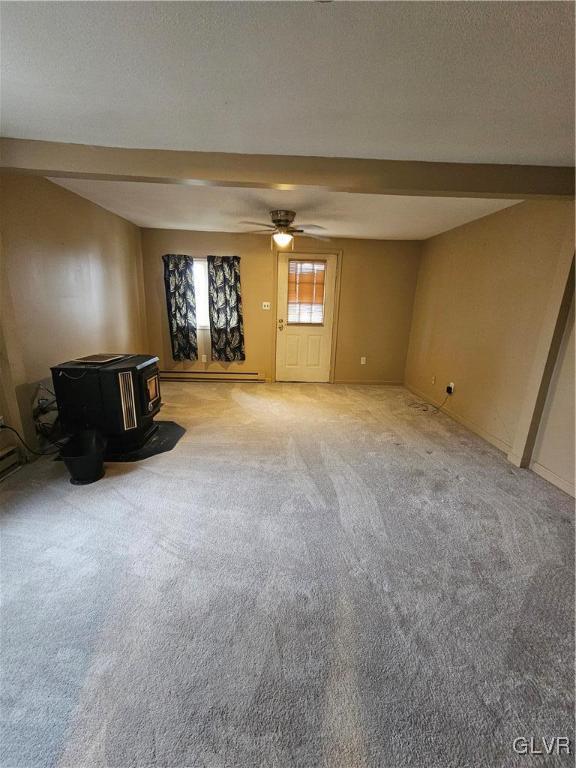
x: 306, y: 292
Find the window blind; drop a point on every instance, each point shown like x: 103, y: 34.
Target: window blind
x: 306, y: 291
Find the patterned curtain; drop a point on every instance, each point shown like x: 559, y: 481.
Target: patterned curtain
x: 181, y: 305
x: 225, y: 305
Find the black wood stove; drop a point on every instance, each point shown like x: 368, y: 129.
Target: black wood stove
x: 118, y: 395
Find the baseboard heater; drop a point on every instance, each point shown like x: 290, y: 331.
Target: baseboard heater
x: 229, y: 376
x: 9, y: 461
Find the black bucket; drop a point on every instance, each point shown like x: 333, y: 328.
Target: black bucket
x: 83, y: 454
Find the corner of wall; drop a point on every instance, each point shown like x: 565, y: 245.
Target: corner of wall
x: 141, y: 292
x: 421, y: 247
x: 11, y: 364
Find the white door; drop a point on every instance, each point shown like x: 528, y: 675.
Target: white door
x: 306, y: 288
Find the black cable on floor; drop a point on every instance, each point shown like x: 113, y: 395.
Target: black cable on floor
x: 25, y: 444
x: 442, y: 404
x: 420, y: 406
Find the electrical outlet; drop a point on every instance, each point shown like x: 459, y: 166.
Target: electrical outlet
x: 450, y: 388
x: 362, y: 361
x: 266, y: 305
x: 204, y: 359
x: 433, y: 379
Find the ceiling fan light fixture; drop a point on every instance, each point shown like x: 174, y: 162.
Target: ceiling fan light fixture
x: 282, y: 239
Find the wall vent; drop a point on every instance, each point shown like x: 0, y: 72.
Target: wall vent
x: 127, y: 398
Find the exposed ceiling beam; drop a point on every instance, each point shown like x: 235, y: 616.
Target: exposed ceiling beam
x: 381, y: 177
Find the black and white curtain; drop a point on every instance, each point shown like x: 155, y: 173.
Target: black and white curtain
x: 181, y: 305
x: 225, y: 306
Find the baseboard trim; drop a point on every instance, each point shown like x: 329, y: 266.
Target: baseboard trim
x: 488, y: 436
x: 553, y: 478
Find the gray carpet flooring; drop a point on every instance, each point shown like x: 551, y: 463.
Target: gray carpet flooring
x: 316, y: 576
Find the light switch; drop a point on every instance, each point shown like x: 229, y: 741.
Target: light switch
x: 265, y: 305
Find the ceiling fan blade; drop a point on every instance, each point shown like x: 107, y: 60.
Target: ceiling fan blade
x: 258, y: 232
x: 258, y: 224
x: 310, y: 226
x: 316, y: 237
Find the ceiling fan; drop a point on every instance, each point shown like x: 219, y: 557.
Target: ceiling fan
x: 282, y: 229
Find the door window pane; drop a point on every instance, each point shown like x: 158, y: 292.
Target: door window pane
x: 306, y: 292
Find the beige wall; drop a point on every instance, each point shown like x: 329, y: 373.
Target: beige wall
x: 378, y: 280
x: 71, y: 283
x: 553, y: 455
x: 481, y: 296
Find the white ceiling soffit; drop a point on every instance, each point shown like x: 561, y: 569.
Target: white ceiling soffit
x: 437, y: 81
x: 220, y: 209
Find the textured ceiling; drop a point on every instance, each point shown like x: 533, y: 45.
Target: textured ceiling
x: 438, y: 81
x: 220, y: 209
